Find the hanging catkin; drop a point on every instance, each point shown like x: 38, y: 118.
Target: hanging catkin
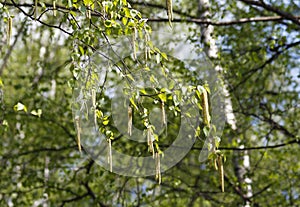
x: 169, y: 4
x: 163, y: 115
x: 147, y: 48
x: 9, y: 29
x: 134, y: 43
x: 129, y: 120
x: 94, y: 105
x: 35, y: 8
x: 54, y: 8
x: 157, y: 168
x: 88, y: 12
x: 150, y: 140
x: 221, y: 171
x: 147, y: 39
x: 78, y: 132
x: 109, y: 155
x: 205, y: 108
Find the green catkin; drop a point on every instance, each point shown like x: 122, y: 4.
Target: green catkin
x: 35, y: 8
x: 129, y: 120
x: 110, y: 155
x: 157, y: 168
x: 54, y: 8
x: 205, y: 108
x: 146, y: 46
x: 94, y: 105
x: 134, y: 43
x: 150, y: 141
x: 9, y: 29
x: 169, y: 4
x: 221, y: 171
x: 78, y: 133
x: 88, y: 12
x: 163, y: 111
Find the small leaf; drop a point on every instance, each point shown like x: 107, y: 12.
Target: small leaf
x: 124, y: 20
x: 206, y: 131
x: 162, y: 97
x: 132, y: 102
x: 108, y: 23
x: 133, y: 13
x: 69, y: 3
x: 153, y: 79
x: 20, y: 107
x: 99, y: 113
x: 164, y: 55
x: 105, y: 122
x: 36, y: 112
x: 130, y: 77
x: 81, y: 50
x: 217, y: 141
x: 87, y: 2
x: 143, y: 91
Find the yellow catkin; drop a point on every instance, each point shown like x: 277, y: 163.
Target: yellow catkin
x: 147, y: 48
x: 35, y: 8
x: 78, y: 133
x: 94, y: 105
x: 9, y: 29
x: 88, y: 12
x: 221, y: 171
x: 163, y: 111
x: 205, y: 108
x: 134, y: 43
x: 157, y: 168
x: 216, y: 164
x: 110, y: 155
x: 148, y: 136
x: 150, y: 141
x: 129, y: 120
x: 169, y: 5
x: 54, y: 8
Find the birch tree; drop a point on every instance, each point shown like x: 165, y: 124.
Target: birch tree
x: 45, y: 46
x: 210, y: 47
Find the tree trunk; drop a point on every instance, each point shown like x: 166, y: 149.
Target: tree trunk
x: 241, y: 161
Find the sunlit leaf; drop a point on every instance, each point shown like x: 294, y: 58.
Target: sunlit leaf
x: 20, y: 107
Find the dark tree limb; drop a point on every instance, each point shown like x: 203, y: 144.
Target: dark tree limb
x: 38, y: 19
x: 223, y: 23
x: 158, y: 6
x: 294, y: 141
x: 273, y: 9
x: 190, y: 19
x: 77, y: 198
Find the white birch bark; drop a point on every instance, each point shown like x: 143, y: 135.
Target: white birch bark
x: 211, y: 51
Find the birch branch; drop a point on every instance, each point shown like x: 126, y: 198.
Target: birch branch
x: 224, y: 23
